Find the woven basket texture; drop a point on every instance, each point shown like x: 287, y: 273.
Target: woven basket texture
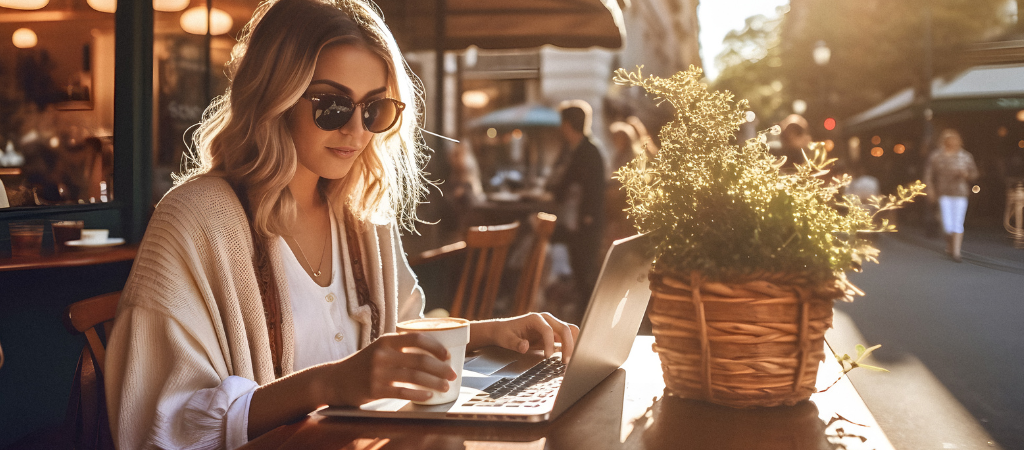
x: 751, y: 343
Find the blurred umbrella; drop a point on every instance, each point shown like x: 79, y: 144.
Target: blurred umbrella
x: 521, y: 116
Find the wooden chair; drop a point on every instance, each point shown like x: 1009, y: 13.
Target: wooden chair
x: 485, y: 250
x: 87, y: 411
x: 529, y: 279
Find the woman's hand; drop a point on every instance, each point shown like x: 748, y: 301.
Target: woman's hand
x: 372, y: 372
x: 529, y: 331
x: 366, y: 375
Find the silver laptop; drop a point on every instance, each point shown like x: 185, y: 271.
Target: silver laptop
x: 502, y: 385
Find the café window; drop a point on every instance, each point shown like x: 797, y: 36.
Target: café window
x: 56, y: 102
x: 188, y: 71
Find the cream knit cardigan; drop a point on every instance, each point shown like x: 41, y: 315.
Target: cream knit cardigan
x: 191, y: 315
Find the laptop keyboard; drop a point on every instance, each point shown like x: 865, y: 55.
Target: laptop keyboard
x: 527, y: 390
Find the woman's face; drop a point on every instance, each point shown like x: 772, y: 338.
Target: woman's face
x: 952, y: 142
x: 341, y: 69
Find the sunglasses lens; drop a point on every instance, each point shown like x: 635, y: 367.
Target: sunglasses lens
x: 331, y: 112
x: 380, y: 115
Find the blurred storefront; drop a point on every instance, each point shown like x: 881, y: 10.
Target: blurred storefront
x: 985, y: 103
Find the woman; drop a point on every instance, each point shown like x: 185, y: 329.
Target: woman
x: 271, y: 277
x: 947, y: 174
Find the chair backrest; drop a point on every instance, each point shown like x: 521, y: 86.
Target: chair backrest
x: 533, y: 270
x: 87, y: 315
x: 486, y: 251
x: 86, y: 417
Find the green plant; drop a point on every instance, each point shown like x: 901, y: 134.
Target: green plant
x: 849, y: 363
x: 725, y: 210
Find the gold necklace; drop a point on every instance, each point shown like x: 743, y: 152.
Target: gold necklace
x: 316, y: 273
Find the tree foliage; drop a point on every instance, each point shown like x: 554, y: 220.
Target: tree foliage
x: 877, y: 46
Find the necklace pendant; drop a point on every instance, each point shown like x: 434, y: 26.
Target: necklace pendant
x: 316, y: 274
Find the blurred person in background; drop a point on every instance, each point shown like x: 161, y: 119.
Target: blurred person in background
x: 795, y: 138
x: 626, y: 145
x: 463, y: 189
x: 578, y: 184
x: 947, y: 174
x: 645, y: 140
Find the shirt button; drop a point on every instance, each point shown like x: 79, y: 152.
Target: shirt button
x: 338, y: 337
x: 330, y: 297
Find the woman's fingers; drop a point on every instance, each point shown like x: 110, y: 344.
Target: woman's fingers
x: 422, y: 341
x: 420, y: 378
x: 539, y: 324
x: 566, y: 334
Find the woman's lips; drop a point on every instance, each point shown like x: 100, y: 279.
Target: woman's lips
x: 343, y: 152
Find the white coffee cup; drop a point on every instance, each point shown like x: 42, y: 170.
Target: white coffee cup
x: 95, y: 235
x: 453, y: 334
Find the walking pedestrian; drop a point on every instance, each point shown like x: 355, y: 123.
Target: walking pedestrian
x: 947, y: 174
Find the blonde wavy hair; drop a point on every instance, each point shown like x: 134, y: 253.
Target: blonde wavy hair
x: 244, y: 135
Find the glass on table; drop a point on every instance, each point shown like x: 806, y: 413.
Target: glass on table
x: 64, y: 231
x: 26, y: 238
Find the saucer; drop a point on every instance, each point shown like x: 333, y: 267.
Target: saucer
x: 109, y: 242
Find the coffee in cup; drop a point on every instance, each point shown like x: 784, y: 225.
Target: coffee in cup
x: 95, y: 236
x: 64, y: 231
x: 453, y: 334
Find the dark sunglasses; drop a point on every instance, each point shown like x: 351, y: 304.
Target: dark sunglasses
x: 333, y: 111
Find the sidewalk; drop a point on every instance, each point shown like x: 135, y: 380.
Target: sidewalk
x: 987, y: 246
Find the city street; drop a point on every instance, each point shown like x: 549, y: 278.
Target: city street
x: 962, y: 322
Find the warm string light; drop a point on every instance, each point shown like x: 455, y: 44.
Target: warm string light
x: 27, y: 5
x: 193, y: 21
x: 24, y: 38
x: 170, y: 5
x: 107, y: 6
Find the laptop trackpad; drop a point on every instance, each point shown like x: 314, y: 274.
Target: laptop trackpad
x: 488, y: 360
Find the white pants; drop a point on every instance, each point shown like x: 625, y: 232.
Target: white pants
x: 953, y: 211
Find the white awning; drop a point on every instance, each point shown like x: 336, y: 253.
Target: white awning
x: 978, y: 88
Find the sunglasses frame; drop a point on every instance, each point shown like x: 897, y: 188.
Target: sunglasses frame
x: 314, y: 98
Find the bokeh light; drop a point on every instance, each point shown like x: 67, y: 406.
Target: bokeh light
x: 1020, y: 115
x: 1002, y: 131
x: 517, y: 134
x: 876, y: 140
x: 492, y: 133
x: 750, y: 116
x: 475, y: 99
x: 830, y: 124
x: 976, y: 189
x: 194, y: 21
x: 24, y: 38
x: 899, y: 149
x: 877, y: 151
x: 1020, y: 144
x: 829, y: 145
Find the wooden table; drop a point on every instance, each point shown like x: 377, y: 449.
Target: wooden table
x: 628, y: 410
x: 70, y: 258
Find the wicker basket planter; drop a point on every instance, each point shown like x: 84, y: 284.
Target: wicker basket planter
x: 752, y: 343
